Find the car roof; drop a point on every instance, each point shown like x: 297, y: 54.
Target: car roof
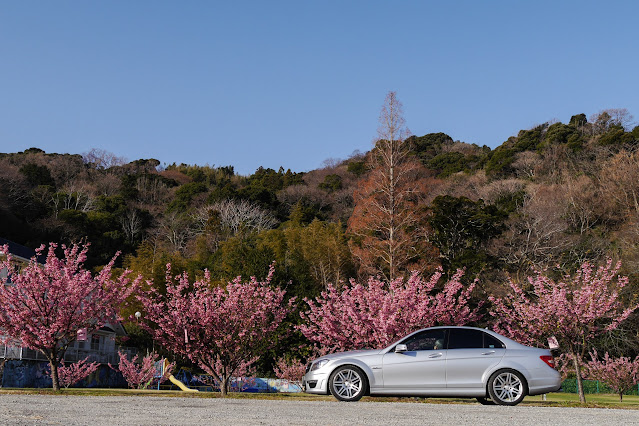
x: 509, y: 342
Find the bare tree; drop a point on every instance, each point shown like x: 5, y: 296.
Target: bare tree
x: 151, y: 189
x: 490, y: 192
x: 13, y: 184
x: 102, y: 159
x: 106, y: 184
x: 176, y: 229
x: 73, y: 197
x: 620, y: 180
x: 537, y: 236
x: 582, y: 204
x: 131, y: 224
x: 235, y: 216
x: 606, y: 118
x: 78, y: 197
x: 527, y: 164
x: 387, y: 223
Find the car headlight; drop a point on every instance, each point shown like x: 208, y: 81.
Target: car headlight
x: 319, y: 364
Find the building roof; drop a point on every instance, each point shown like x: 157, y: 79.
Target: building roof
x: 20, y: 251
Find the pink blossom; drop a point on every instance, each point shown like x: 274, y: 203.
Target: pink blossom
x: 573, y: 310
x: 140, y: 375
x: 291, y: 370
x: 620, y: 374
x: 44, y: 306
x: 376, y: 313
x: 73, y: 373
x: 244, y: 377
x: 221, y: 329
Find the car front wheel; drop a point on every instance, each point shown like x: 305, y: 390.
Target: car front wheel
x: 507, y: 387
x: 348, y: 383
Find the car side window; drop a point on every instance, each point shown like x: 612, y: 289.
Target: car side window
x: 492, y: 342
x: 463, y: 338
x: 427, y: 340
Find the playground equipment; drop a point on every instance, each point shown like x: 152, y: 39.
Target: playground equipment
x: 181, y: 385
x: 205, y: 383
x: 160, y: 372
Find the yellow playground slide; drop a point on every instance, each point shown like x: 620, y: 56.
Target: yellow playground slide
x: 178, y: 383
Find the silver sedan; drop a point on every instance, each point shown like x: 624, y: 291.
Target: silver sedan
x: 438, y: 362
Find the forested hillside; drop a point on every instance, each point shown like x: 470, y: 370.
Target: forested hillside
x: 554, y: 195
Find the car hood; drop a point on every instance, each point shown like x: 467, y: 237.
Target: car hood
x: 351, y: 354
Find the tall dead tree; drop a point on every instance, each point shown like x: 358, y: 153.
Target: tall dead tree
x: 388, y: 223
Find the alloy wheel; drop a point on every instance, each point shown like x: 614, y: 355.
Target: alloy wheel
x: 508, y: 388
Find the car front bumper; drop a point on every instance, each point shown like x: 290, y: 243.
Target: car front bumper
x: 315, y: 382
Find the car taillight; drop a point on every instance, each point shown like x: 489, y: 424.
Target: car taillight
x: 548, y: 359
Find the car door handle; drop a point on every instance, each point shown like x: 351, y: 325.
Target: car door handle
x: 488, y: 353
x: 434, y: 355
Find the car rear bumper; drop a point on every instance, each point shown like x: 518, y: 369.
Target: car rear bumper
x: 544, y: 383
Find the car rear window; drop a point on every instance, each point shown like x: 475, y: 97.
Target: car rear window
x: 462, y: 338
x: 492, y: 342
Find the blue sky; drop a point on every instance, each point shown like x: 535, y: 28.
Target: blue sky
x: 292, y: 83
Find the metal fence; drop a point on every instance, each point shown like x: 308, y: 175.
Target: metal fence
x: 592, y: 386
x: 71, y: 355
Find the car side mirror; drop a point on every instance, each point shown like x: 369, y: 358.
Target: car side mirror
x: 399, y: 349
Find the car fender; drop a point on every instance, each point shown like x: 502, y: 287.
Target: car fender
x: 506, y: 364
x: 358, y: 363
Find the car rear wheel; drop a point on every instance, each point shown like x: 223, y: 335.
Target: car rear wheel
x: 507, y: 387
x: 348, y: 383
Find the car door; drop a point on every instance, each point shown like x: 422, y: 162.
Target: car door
x: 470, y: 353
x: 422, y: 366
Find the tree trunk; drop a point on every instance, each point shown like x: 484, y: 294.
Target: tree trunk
x: 2, y: 362
x: 52, y: 356
x: 620, y: 396
x: 580, y: 385
x: 54, y: 374
x: 224, y: 385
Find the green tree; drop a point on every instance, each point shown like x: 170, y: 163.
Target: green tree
x: 448, y: 163
x: 428, y: 146
x: 500, y: 161
x: 323, y: 248
x: 331, y: 183
x: 37, y: 175
x: 185, y: 195
x: 357, y: 168
x: 460, y: 229
x: 578, y: 120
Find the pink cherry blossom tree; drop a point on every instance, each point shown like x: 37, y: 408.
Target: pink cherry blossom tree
x: 291, y: 370
x: 73, y: 373
x: 42, y: 307
x: 620, y: 374
x: 376, y: 313
x: 141, y: 374
x: 243, y: 377
x: 575, y: 310
x: 221, y: 329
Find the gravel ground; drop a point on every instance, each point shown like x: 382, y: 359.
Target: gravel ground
x: 108, y: 410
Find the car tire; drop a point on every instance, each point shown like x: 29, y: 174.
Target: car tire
x: 507, y: 387
x: 485, y: 401
x: 348, y: 383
